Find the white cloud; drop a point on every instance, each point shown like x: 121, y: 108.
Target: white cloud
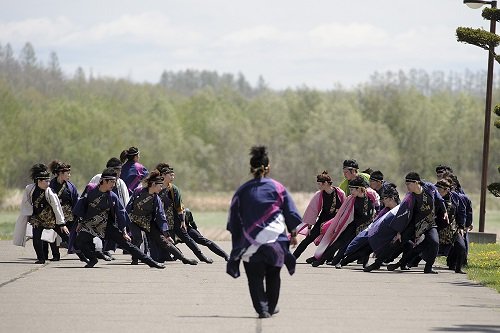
x: 145, y: 28
x: 43, y: 30
x: 257, y: 34
x: 354, y: 35
x: 288, y: 46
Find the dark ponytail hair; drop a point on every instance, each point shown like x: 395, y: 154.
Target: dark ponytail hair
x: 324, y: 177
x: 259, y: 161
x: 123, y: 156
x: 153, y: 177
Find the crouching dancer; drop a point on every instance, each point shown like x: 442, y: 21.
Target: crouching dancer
x: 103, y: 215
x: 146, y: 212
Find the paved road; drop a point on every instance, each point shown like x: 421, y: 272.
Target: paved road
x: 118, y: 297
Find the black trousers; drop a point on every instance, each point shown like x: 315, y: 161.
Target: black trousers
x: 185, y: 238
x: 313, y: 234
x: 86, y: 245
x: 72, y: 225
x: 42, y: 247
x: 155, y: 238
x: 200, y: 239
x: 264, y: 299
x: 340, y: 245
x: 458, y: 253
x: 391, y: 251
x: 427, y: 250
x: 136, y: 235
x: 360, y: 253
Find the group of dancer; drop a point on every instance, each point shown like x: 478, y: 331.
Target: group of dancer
x: 142, y: 213
x: 365, y: 215
x: 125, y: 206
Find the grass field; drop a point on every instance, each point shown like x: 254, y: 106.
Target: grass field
x: 7, y: 222
x: 210, y: 210
x: 484, y: 264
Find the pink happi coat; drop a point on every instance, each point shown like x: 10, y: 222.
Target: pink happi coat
x: 332, y: 229
x: 314, y: 209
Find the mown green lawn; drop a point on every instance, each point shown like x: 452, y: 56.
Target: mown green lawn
x: 212, y: 220
x: 484, y: 264
x: 7, y: 222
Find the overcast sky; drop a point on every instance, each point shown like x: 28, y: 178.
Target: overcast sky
x: 290, y: 43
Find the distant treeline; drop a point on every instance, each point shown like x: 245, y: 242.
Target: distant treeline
x: 203, y: 123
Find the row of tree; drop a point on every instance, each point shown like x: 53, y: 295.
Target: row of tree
x: 204, y: 123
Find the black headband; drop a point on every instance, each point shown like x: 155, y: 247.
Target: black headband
x: 441, y: 186
x: 166, y: 170
x: 132, y: 151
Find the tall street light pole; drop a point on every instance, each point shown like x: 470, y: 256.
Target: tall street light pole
x: 487, y: 113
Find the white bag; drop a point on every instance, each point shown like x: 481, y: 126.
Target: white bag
x: 29, y: 231
x: 49, y: 235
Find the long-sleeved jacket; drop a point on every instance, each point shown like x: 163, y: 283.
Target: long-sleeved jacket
x: 26, y: 210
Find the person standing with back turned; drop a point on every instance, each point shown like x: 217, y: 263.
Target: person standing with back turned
x: 261, y: 212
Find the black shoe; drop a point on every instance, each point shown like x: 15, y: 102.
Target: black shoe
x: 344, y: 263
x: 310, y: 260
x: 134, y: 262
x: 55, y: 259
x: 100, y: 255
x: 317, y: 263
x: 460, y: 272
x: 107, y: 254
x: 154, y: 264
x: 371, y: 267
x: 264, y: 314
x: 40, y: 262
x: 207, y: 260
x: 392, y: 267
x: 186, y: 261
x: 430, y: 271
x: 338, y: 266
x: 405, y: 268
x: 91, y: 263
x: 365, y: 261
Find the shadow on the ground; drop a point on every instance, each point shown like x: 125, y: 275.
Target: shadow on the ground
x: 222, y: 317
x: 469, y: 328
x: 26, y: 262
x: 464, y: 283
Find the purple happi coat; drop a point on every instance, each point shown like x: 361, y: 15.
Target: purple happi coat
x: 261, y: 212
